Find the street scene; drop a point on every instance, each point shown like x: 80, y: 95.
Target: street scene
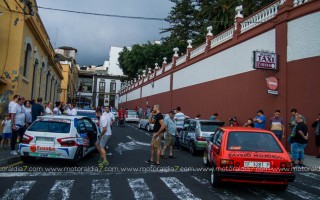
x: 149, y: 99
x: 128, y: 176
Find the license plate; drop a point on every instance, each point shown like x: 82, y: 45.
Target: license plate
x: 256, y: 164
x: 45, y: 139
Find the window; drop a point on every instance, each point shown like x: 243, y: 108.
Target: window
x: 217, y: 138
x: 210, y: 126
x: 192, y: 126
x: 186, y: 125
x: 102, y: 86
x: 27, y: 57
x: 113, y: 87
x: 81, y: 127
x: 50, y: 126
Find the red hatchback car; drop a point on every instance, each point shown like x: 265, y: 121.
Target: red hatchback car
x: 248, y: 155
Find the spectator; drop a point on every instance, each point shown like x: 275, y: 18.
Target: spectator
x: 249, y: 123
x: 299, y: 141
x: 179, y: 118
x: 12, y: 103
x: 260, y: 120
x: 103, y: 138
x: 18, y: 121
x: 316, y: 125
x: 72, y: 110
x: 158, y: 129
x: 121, y: 116
x: 37, y: 109
x: 62, y: 108
x: 109, y: 115
x: 214, y: 117
x: 56, y: 110
x: 48, y: 110
x: 169, y: 134
x: 277, y: 125
x: 197, y: 117
x: 233, y: 121
x: 7, y: 131
x: 27, y: 109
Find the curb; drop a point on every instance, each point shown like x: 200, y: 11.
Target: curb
x: 9, y: 161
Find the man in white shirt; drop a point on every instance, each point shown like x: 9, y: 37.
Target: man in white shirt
x: 72, y: 110
x: 103, y: 137
x: 18, y: 120
x: 179, y: 117
x: 13, y: 102
x: 110, y: 115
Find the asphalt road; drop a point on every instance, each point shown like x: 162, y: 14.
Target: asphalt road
x: 129, y: 177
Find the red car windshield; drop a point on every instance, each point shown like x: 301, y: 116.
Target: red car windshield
x: 252, y: 141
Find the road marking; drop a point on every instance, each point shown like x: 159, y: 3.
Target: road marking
x: 178, y: 188
x: 311, y: 175
x: 302, y: 194
x: 225, y: 194
x: 307, y: 185
x: 61, y: 190
x: 201, y: 181
x: 19, y: 190
x: 140, y: 189
x: 100, y: 189
x: 14, y: 164
x: 264, y: 194
x: 132, y: 145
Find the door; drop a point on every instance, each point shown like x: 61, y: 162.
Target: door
x: 191, y: 133
x: 91, y: 130
x: 183, y: 132
x: 216, y: 145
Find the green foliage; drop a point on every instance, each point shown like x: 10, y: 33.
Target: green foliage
x: 187, y: 21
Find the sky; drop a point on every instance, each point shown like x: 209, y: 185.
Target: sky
x: 93, y: 35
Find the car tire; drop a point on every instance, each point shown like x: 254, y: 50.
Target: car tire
x: 192, y: 149
x: 214, y: 179
x: 28, y: 159
x: 205, y: 158
x: 78, y: 156
x: 148, y: 128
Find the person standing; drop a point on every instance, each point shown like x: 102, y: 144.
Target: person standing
x: 103, y: 138
x: 249, y: 123
x: 72, y: 110
x: 277, y: 125
x: 260, y: 120
x: 37, y: 109
x: 158, y: 129
x: 27, y: 109
x: 299, y: 141
x: 179, y: 118
x: 12, y: 103
x: 56, y: 110
x: 214, y: 116
x: 110, y: 115
x: 316, y: 125
x: 7, y: 131
x: 169, y: 134
x: 48, y: 110
x: 18, y: 121
x: 121, y: 120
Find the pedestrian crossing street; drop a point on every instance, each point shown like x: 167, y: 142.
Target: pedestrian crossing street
x: 101, y: 188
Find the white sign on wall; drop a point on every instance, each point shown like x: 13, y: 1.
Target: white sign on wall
x: 265, y: 60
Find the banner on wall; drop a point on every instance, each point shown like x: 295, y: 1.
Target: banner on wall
x: 265, y: 60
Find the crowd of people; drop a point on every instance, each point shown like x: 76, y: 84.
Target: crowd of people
x: 22, y: 113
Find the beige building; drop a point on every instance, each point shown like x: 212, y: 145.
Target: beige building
x: 27, y: 60
x: 69, y: 84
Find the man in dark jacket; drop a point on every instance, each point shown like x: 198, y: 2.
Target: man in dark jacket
x: 299, y: 141
x: 316, y: 125
x: 37, y: 109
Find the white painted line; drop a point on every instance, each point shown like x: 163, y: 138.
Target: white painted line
x: 263, y: 194
x: 100, y: 189
x: 201, y: 181
x: 61, y: 190
x: 178, y: 188
x: 140, y: 189
x: 302, y: 194
x: 311, y: 175
x: 19, y: 190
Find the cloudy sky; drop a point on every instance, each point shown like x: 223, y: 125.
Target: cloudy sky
x: 93, y: 35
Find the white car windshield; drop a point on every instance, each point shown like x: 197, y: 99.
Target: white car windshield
x: 50, y: 126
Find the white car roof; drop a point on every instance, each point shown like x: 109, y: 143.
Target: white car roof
x: 87, y: 111
x: 61, y: 117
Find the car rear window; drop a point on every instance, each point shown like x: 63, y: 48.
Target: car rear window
x: 252, y: 141
x: 209, y: 126
x: 87, y: 114
x: 132, y: 113
x: 59, y: 126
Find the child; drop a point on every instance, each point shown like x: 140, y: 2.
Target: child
x: 7, y: 131
x: 249, y: 123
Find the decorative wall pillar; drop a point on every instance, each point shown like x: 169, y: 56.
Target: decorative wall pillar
x: 209, y: 37
x: 175, y: 56
x: 237, y: 22
x: 189, y: 49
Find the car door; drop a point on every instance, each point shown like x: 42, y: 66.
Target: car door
x: 91, y: 130
x: 183, y: 132
x: 190, y: 135
x: 210, y: 143
x: 216, y: 146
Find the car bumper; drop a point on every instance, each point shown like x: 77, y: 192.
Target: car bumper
x: 47, y: 152
x: 201, y: 145
x: 262, y: 178
x: 132, y: 119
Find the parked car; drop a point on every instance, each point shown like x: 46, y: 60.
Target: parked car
x: 115, y: 113
x: 131, y: 116
x: 144, y: 124
x: 88, y: 113
x: 248, y: 155
x: 64, y: 137
x: 196, y: 133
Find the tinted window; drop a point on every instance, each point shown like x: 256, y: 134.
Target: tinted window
x: 132, y: 113
x: 87, y: 114
x: 252, y: 141
x: 81, y: 127
x: 186, y: 125
x: 217, y: 138
x: 208, y: 126
x: 50, y: 126
x: 192, y: 126
x: 88, y: 124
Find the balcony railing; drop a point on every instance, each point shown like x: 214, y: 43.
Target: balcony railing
x: 181, y: 60
x: 198, y: 51
x: 223, y: 37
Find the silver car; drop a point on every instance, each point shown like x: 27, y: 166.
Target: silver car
x: 144, y: 124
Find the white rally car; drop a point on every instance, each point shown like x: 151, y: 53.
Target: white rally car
x: 65, y: 137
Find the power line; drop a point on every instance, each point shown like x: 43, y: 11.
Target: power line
x: 105, y: 15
